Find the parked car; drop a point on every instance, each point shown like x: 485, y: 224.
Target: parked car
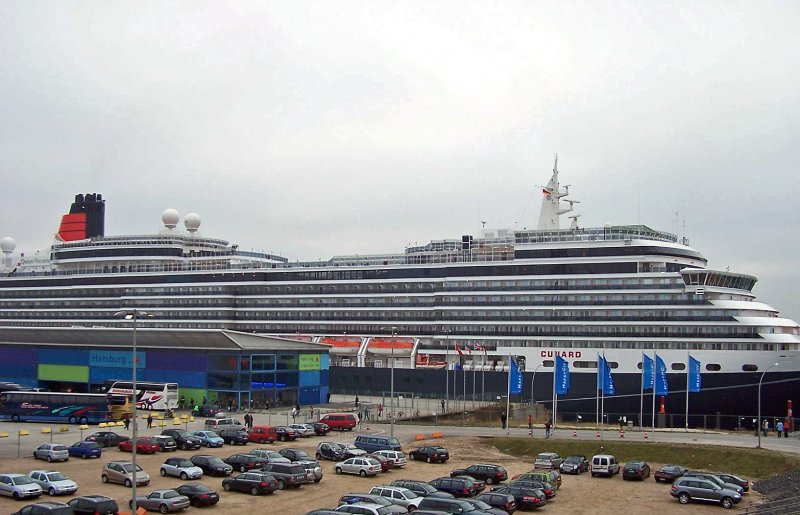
x: 53, y: 482
x: 636, y: 469
x: 550, y: 476
x: 604, y: 465
x: 217, y: 423
x: 362, y: 465
x: 198, y: 494
x: 480, y: 485
x: 183, y: 438
x: 244, y: 462
x: 321, y: 428
x: 547, y: 460
x: 331, y: 451
x: 548, y: 489
x: 293, y: 454
x: 262, y: 434
x: 313, y: 470
x: 45, y: 508
x: 482, y: 507
x: 286, y: 433
x: 458, y: 486
x: 339, y: 421
x: 714, y: 479
x: 734, y: 480
x: 574, y: 464
x: 234, y: 436
x: 421, y: 488
x: 93, y: 505
x: 106, y: 438
x: 357, y: 499
x: 51, y: 452
x: 398, y: 495
x: 430, y: 453
x: 209, y: 438
x: 292, y: 475
x: 122, y: 472
x: 144, y: 445
x: 372, y: 443
x: 166, y: 443
x: 489, y: 473
x: 687, y: 489
x: 270, y: 456
x: 365, y: 509
x: 669, y: 473
x: 19, y: 486
x: 182, y: 468
x: 205, y: 410
x: 526, y: 498
x: 304, y: 430
x: 163, y: 501
x: 85, y: 450
x: 445, y: 505
x: 398, y: 458
x: 253, y: 482
x: 501, y: 500
x: 211, y: 465
x: 386, y: 463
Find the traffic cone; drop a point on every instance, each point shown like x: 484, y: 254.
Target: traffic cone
x: 574, y: 434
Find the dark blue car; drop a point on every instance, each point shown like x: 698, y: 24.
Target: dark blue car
x: 85, y: 450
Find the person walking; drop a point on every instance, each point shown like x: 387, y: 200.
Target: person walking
x: 149, y: 420
x: 786, y: 428
x: 547, y: 426
x: 443, y: 406
x: 356, y: 401
x: 765, y: 427
x: 503, y: 420
x: 779, y: 429
x: 311, y: 413
x: 530, y: 423
x: 127, y: 421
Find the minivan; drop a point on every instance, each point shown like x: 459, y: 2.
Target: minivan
x: 262, y: 434
x: 215, y: 424
x: 604, y: 465
x: 340, y: 421
x: 371, y: 443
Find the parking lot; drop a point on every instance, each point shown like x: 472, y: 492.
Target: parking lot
x: 579, y: 494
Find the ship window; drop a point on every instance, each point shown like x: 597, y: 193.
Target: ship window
x: 713, y: 367
x: 749, y: 368
x: 548, y: 363
x: 678, y: 366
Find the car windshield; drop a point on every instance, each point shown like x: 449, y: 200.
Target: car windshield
x: 215, y: 461
x: 182, y: 433
x: 56, y: 476
x: 410, y: 495
x: 22, y: 480
x: 185, y: 463
x: 573, y: 459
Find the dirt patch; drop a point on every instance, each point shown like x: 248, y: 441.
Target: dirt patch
x: 578, y: 495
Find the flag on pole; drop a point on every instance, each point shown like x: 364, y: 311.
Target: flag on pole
x: 601, y: 367
x: 647, y: 372
x: 694, y: 375
x: 458, y: 349
x: 515, y: 377
x: 608, y: 381
x: 478, y: 346
x: 467, y: 349
x: 662, y: 388
x: 562, y: 375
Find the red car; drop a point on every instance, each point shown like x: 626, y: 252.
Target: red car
x: 144, y: 445
x: 386, y: 463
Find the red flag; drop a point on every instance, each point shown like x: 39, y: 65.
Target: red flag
x: 478, y: 346
x: 458, y: 349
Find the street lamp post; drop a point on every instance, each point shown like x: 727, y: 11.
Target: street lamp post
x: 532, y: 380
x: 391, y: 385
x: 447, y: 373
x: 758, y: 425
x: 133, y: 315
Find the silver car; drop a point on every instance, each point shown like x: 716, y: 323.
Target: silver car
x: 363, y: 466
x: 398, y: 495
x: 122, y: 472
x: 182, y: 468
x: 53, y: 482
x: 163, y: 501
x: 51, y: 452
x: 304, y: 430
x: 397, y: 457
x: 19, y: 486
x: 270, y: 456
x: 313, y: 470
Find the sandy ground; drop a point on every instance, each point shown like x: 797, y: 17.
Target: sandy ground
x: 578, y: 495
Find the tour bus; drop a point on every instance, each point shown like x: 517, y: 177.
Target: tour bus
x: 149, y: 395
x: 73, y: 408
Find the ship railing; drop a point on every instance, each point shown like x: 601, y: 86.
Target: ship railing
x: 595, y: 234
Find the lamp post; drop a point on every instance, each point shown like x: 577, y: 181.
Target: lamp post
x: 447, y: 373
x: 133, y: 315
x: 391, y: 386
x: 758, y: 426
x: 532, y: 379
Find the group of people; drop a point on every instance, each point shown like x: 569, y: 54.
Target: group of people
x: 782, y: 428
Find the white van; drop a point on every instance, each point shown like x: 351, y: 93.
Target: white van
x: 604, y: 465
x: 215, y: 424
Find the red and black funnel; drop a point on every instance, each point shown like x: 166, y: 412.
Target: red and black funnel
x: 86, y: 218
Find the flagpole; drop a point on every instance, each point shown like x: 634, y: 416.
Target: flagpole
x: 655, y: 366
x: 688, y: 373
x: 603, y: 395
x: 597, y: 395
x: 555, y: 396
x: 508, y: 391
x: 641, y: 396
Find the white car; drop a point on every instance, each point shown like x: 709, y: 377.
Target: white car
x: 365, y: 509
x: 363, y: 466
x: 53, y: 482
x: 397, y: 457
x: 19, y: 486
x: 398, y: 495
x: 304, y: 430
x: 51, y: 452
x: 182, y: 468
x: 270, y: 455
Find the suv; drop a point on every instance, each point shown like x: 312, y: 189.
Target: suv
x: 714, y: 479
x: 122, y: 472
x: 489, y: 473
x: 94, y: 505
x: 547, y: 460
x: 458, y: 486
x: 604, y: 465
x: 234, y: 435
x: 687, y: 489
x: 166, y: 443
x: 287, y: 474
x: 183, y: 438
x: 45, y: 508
x: 340, y: 421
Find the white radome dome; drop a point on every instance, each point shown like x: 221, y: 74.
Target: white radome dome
x: 7, y: 245
x: 192, y: 222
x: 170, y: 218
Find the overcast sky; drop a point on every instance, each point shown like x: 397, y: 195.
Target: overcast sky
x: 314, y: 129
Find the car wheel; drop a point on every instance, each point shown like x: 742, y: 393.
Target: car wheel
x: 489, y: 480
x: 254, y: 491
x: 104, y: 478
x: 338, y: 470
x: 319, y: 456
x: 84, y: 456
x: 226, y: 487
x: 163, y: 508
x: 185, y: 446
x: 72, y: 420
x: 195, y: 502
x: 363, y: 473
x: 684, y: 498
x: 727, y: 503
x: 128, y: 483
x: 163, y: 473
x: 242, y: 468
x: 283, y: 438
x: 281, y: 484
x: 428, y: 459
x: 184, y: 476
x: 51, y: 491
x: 16, y: 496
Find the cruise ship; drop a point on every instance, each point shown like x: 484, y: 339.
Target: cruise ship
x: 453, y: 309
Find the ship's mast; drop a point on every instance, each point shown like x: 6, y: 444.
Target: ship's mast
x: 549, y: 217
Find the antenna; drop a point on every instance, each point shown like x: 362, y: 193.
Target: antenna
x: 483, y: 223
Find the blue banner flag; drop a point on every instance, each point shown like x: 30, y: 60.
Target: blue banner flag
x: 601, y: 371
x: 608, y: 382
x: 694, y: 375
x: 562, y: 376
x: 515, y: 378
x: 661, y: 377
x: 647, y: 372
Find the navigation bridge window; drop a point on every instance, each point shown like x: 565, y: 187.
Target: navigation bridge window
x: 718, y: 279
